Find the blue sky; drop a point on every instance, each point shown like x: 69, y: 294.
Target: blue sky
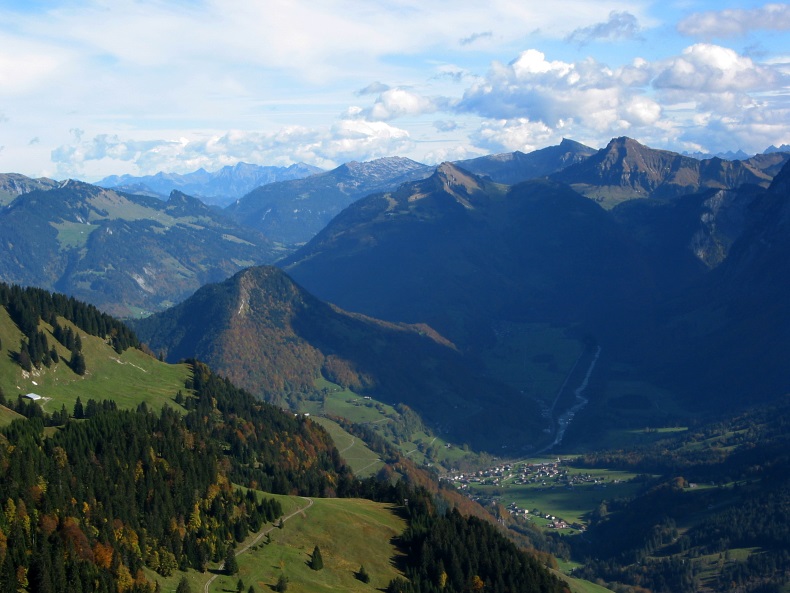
x: 90, y: 88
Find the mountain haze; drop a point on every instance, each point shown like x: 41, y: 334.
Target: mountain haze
x: 218, y: 188
x: 294, y: 211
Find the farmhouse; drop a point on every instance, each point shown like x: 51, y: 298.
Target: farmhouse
x: 33, y: 396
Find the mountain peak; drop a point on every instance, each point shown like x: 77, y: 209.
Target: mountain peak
x: 463, y: 187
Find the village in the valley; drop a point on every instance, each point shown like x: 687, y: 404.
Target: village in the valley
x: 515, y: 486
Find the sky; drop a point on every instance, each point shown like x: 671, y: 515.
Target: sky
x: 91, y: 88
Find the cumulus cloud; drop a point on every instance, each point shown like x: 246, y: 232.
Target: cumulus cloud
x: 736, y: 22
x: 398, y: 102
x: 533, y: 99
x: 715, y: 78
x: 348, y: 139
x: 554, y: 93
x: 514, y: 134
x: 621, y: 25
x: 714, y: 69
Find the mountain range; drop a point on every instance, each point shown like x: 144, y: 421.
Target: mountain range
x: 122, y: 252
x: 218, y: 188
x: 14, y: 184
x: 294, y: 211
x: 626, y: 170
x: 626, y: 306
x: 462, y: 248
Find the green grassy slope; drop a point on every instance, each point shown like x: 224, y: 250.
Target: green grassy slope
x: 129, y: 378
x: 349, y: 532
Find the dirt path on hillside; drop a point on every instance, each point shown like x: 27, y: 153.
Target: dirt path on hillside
x: 258, y: 538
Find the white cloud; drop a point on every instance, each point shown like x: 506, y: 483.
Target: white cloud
x: 395, y: 103
x: 374, y: 88
x: 711, y: 68
x: 736, y: 23
x: 753, y: 131
x: 458, y: 152
x: 533, y: 99
x: 475, y: 37
x: 515, y: 134
x: 328, y: 147
x: 554, y: 92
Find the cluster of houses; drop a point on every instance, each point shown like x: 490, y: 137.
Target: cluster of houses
x: 548, y: 474
x: 528, y: 473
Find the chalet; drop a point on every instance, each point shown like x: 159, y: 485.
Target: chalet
x: 34, y: 396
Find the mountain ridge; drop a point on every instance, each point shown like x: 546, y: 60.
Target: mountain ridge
x: 626, y: 169
x: 270, y: 336
x: 75, y: 238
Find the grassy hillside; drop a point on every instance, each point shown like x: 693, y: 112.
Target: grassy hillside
x: 349, y: 532
x: 353, y: 450
x: 129, y: 378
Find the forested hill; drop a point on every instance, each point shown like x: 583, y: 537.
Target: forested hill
x: 111, y: 500
x: 28, y: 306
x: 171, y: 500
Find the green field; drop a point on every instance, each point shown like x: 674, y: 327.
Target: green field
x: 355, y: 453
x: 349, y: 532
x: 416, y: 443
x: 128, y: 379
x: 73, y: 234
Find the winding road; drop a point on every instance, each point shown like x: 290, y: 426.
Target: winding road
x: 258, y: 538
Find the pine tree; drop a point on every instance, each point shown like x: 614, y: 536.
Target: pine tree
x: 316, y: 562
x: 363, y: 575
x: 79, y: 412
x: 231, y: 564
x: 282, y: 584
x: 183, y: 586
x: 77, y: 362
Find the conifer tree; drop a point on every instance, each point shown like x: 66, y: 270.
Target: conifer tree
x: 77, y: 362
x: 231, y: 564
x: 79, y: 411
x: 316, y: 561
x: 183, y: 586
x: 363, y: 575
